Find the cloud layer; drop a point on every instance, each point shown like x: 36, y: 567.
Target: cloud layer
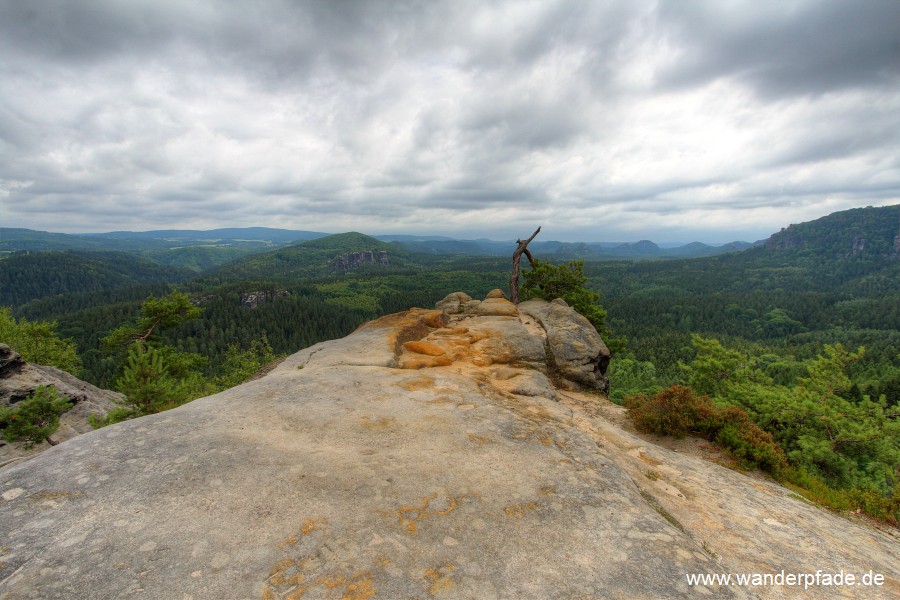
x: 602, y: 121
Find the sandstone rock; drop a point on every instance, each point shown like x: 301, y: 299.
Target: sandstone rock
x: 496, y: 307
x: 523, y: 382
x: 19, y: 379
x: 339, y: 475
x: 505, y: 341
x: 452, y: 302
x: 496, y: 293
x: 470, y: 307
x: 424, y: 348
x: 578, y: 351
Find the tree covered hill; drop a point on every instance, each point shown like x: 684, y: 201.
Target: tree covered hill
x: 191, y: 249
x: 310, y: 259
x: 867, y: 233
x: 31, y: 276
x: 790, y: 299
x: 29, y: 240
x: 806, y: 287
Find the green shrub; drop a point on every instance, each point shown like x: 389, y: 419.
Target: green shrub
x: 677, y: 411
x: 34, y: 419
x: 116, y: 415
x: 674, y: 411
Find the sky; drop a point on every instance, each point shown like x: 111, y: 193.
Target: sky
x: 673, y: 121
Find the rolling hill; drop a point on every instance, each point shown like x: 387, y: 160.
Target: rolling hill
x: 31, y: 276
x: 310, y: 258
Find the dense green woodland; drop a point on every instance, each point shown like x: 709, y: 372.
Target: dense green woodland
x: 778, y: 307
x: 34, y: 275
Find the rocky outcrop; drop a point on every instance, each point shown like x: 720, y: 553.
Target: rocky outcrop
x: 254, y: 299
x: 358, y: 259
x: 19, y: 379
x: 578, y: 353
x: 366, y: 468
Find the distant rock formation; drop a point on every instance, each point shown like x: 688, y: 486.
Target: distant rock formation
x: 200, y: 301
x: 19, y: 379
x: 254, y: 299
x: 358, y: 259
x: 428, y: 454
x: 786, y: 239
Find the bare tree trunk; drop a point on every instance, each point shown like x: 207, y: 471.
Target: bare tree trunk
x: 517, y: 255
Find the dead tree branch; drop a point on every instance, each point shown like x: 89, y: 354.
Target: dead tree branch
x: 517, y: 255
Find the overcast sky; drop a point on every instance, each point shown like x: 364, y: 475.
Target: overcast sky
x: 601, y: 121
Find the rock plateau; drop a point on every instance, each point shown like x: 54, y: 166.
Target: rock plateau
x: 451, y: 453
x: 19, y: 379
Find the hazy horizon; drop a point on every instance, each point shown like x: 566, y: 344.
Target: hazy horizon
x: 541, y: 237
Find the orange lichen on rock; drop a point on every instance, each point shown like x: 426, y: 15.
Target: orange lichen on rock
x: 310, y: 525
x: 518, y: 510
x: 420, y: 382
x: 439, y: 579
x: 361, y: 589
x: 408, y: 517
x: 286, y: 573
x: 378, y: 424
x: 451, y: 331
x: 424, y: 348
x: 423, y: 362
x: 648, y: 459
x: 435, y: 319
x: 478, y: 440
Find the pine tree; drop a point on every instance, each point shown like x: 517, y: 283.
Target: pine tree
x: 34, y: 419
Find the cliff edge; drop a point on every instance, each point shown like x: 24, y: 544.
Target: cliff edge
x: 450, y: 453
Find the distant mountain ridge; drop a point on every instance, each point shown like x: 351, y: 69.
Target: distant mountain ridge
x: 247, y: 240
x: 230, y: 234
x: 555, y: 250
x: 17, y: 239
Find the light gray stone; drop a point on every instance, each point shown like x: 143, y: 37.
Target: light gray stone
x: 340, y: 476
x: 580, y: 355
x: 453, y: 302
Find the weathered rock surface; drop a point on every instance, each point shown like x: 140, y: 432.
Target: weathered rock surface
x: 19, y: 379
x: 578, y: 352
x: 342, y: 474
x: 453, y: 303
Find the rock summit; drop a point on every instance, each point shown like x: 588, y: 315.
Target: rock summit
x: 462, y: 452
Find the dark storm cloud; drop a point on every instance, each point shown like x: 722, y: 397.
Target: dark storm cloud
x: 381, y: 116
x: 787, y: 48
